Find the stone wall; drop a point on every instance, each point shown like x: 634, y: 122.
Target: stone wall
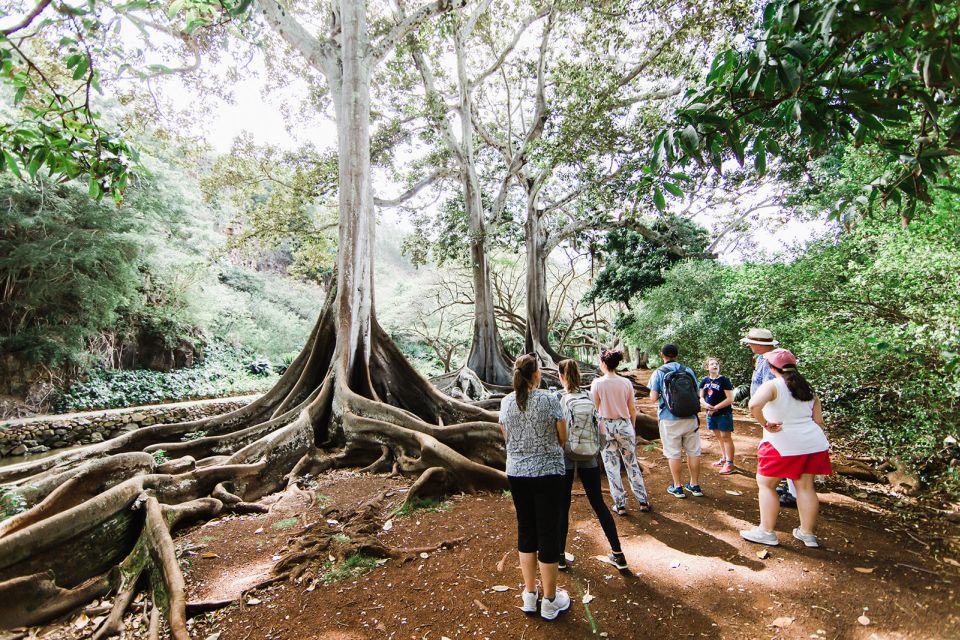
x: 43, y: 433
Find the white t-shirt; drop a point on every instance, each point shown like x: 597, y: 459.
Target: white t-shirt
x: 800, y: 434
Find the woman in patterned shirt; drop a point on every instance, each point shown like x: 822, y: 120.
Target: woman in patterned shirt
x: 534, y: 431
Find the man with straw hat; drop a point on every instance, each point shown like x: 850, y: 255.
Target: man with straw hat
x: 761, y: 342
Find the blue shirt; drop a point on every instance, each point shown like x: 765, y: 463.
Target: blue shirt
x: 761, y: 374
x: 656, y: 384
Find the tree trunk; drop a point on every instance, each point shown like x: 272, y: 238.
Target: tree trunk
x: 487, y: 357
x: 101, y: 516
x: 537, y: 335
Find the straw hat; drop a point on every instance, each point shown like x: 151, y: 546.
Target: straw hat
x: 759, y: 336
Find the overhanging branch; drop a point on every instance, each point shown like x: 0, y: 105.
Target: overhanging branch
x: 381, y: 49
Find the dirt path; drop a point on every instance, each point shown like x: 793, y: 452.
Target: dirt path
x: 691, y: 576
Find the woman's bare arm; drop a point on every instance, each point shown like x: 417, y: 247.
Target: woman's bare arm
x: 818, y: 412
x: 766, y: 393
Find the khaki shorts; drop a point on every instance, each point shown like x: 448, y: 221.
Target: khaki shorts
x: 677, y: 436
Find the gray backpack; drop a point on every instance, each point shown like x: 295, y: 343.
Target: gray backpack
x: 583, y: 428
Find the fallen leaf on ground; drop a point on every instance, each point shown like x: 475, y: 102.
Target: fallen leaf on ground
x: 864, y: 569
x: 209, y: 555
x: 81, y: 621
x: 253, y: 601
x: 424, y: 555
x: 864, y: 620
x: 333, y: 523
x: 763, y: 554
x: 734, y: 493
x: 782, y: 622
x: 214, y: 636
x: 388, y: 525
x: 587, y: 598
x: 503, y: 561
x: 260, y: 530
x: 480, y: 605
x: 500, y: 588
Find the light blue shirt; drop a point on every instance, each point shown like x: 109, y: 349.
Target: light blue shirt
x: 761, y: 374
x: 656, y: 384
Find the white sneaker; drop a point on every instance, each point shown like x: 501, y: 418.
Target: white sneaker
x: 806, y: 538
x: 529, y: 602
x: 550, y: 610
x: 760, y: 536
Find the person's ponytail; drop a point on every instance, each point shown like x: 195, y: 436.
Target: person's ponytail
x: 797, y: 384
x: 570, y: 371
x: 524, y: 369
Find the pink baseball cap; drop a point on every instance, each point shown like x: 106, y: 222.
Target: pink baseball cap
x: 781, y: 358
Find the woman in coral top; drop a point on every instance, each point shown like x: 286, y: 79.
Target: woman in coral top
x: 613, y: 396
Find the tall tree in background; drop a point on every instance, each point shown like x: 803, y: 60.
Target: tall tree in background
x: 487, y: 357
x: 567, y: 136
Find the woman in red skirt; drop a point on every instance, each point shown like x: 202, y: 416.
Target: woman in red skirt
x: 793, y: 447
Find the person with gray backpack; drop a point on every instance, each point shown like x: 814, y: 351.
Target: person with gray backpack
x: 580, y: 453
x: 675, y: 389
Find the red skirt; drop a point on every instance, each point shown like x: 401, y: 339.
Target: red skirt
x: 773, y: 465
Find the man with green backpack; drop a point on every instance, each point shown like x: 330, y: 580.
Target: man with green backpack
x: 675, y: 389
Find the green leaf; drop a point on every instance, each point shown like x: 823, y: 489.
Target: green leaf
x: 760, y: 161
x: 658, y: 200
x: 673, y: 189
x: 798, y: 50
x: 789, y: 76
x: 11, y: 163
x: 689, y: 139
x: 81, y: 69
x: 94, y: 189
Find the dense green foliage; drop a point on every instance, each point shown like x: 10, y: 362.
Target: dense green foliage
x: 873, y: 315
x: 68, y: 264
x: 634, y: 264
x: 224, y: 371
x: 818, y: 72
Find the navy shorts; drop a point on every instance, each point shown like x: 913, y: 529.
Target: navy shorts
x: 720, y: 422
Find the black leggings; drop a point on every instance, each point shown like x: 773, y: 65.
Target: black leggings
x: 538, y: 503
x: 590, y: 479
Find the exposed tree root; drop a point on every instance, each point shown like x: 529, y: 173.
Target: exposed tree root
x: 101, y: 516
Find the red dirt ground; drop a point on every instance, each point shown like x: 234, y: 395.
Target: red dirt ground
x: 691, y: 575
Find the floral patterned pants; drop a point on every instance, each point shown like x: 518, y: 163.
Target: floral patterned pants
x: 621, y: 442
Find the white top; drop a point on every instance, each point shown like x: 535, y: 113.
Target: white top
x: 800, y: 434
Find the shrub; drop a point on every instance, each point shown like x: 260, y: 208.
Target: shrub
x: 222, y: 372
x: 873, y: 316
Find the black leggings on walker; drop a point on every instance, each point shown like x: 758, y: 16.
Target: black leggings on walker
x: 538, y: 503
x: 590, y: 479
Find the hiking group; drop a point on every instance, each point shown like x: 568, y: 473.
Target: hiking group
x: 552, y: 437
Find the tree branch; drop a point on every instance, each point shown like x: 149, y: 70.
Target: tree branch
x: 506, y: 52
x: 412, y: 191
x: 27, y: 19
x: 730, y: 227
x: 409, y: 24
x: 321, y: 54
